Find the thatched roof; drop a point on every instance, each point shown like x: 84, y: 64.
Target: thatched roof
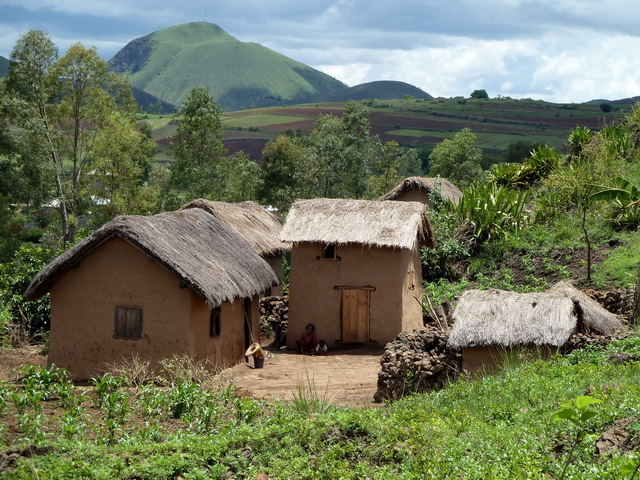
x: 258, y: 227
x: 428, y: 185
x: 202, y: 252
x: 500, y: 318
x: 370, y: 223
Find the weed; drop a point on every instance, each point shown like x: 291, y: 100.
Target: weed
x: 133, y: 370
x: 307, y: 400
x: 184, y: 369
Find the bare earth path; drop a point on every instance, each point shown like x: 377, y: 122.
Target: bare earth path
x: 346, y: 377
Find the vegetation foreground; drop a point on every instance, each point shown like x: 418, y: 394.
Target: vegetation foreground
x: 532, y: 420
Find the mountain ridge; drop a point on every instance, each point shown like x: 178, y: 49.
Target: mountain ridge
x: 168, y: 62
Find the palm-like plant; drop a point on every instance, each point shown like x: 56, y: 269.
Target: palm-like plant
x: 626, y: 198
x: 493, y: 210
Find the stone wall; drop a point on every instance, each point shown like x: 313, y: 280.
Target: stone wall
x: 416, y: 362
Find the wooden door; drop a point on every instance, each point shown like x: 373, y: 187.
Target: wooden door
x: 355, y: 316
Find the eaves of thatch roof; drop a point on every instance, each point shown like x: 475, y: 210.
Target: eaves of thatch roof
x: 501, y: 318
x: 203, y: 253
x: 258, y: 227
x: 427, y: 185
x: 369, y: 223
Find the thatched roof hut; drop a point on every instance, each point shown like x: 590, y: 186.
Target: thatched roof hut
x: 258, y: 227
x: 426, y: 185
x: 506, y: 319
x: 205, y: 255
x: 369, y: 223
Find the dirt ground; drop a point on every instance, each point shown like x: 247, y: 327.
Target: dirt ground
x: 346, y: 377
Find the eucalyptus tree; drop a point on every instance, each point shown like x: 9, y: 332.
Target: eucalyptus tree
x: 64, y: 108
x: 198, y: 170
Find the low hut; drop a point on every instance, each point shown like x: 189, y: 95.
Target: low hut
x: 258, y: 227
x: 175, y: 283
x: 419, y: 189
x: 355, y: 268
x: 490, y: 323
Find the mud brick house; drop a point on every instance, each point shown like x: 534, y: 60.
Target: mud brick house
x: 491, y: 325
x: 175, y: 283
x: 419, y: 189
x: 255, y: 225
x: 355, y: 268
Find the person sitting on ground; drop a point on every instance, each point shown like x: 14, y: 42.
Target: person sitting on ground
x: 308, y: 340
x: 321, y: 348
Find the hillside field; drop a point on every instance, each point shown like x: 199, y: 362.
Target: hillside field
x: 415, y: 123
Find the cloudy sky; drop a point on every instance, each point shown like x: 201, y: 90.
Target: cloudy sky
x: 554, y: 50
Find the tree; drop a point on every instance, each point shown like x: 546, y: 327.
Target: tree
x: 386, y: 169
x: 282, y: 172
x: 241, y: 178
x: 198, y: 148
x: 63, y: 107
x: 570, y: 188
x: 605, y: 107
x: 479, y: 94
x: 120, y: 161
x: 341, y: 152
x: 457, y: 160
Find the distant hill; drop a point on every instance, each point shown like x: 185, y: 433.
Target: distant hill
x: 167, y: 63
x: 383, y: 89
x: 4, y: 66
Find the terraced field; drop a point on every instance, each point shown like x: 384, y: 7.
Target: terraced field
x: 419, y: 123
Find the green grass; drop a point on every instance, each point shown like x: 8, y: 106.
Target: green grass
x: 620, y: 268
x: 499, y: 427
x: 261, y: 120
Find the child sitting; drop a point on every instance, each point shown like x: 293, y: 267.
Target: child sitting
x: 321, y: 348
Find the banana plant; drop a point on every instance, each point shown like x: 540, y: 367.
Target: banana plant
x: 626, y: 198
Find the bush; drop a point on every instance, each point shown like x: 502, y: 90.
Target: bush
x: 29, y: 318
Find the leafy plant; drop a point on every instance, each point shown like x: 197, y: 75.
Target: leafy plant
x: 578, y: 413
x: 104, y: 386
x: 183, y: 398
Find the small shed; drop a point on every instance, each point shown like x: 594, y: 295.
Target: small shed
x: 355, y: 268
x: 177, y: 283
x: 490, y: 323
x: 257, y: 226
x: 419, y: 189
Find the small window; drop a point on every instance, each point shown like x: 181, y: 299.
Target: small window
x: 214, y: 322
x: 128, y: 323
x: 411, y: 276
x: 329, y: 252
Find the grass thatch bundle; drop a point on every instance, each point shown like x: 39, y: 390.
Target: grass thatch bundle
x: 203, y: 253
x: 258, y: 227
x: 501, y: 318
x: 370, y: 223
x: 428, y: 185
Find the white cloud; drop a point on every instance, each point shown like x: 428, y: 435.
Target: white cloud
x: 558, y: 50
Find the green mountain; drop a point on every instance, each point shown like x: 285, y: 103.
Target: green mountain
x: 167, y: 63
x: 4, y: 66
x: 382, y: 89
